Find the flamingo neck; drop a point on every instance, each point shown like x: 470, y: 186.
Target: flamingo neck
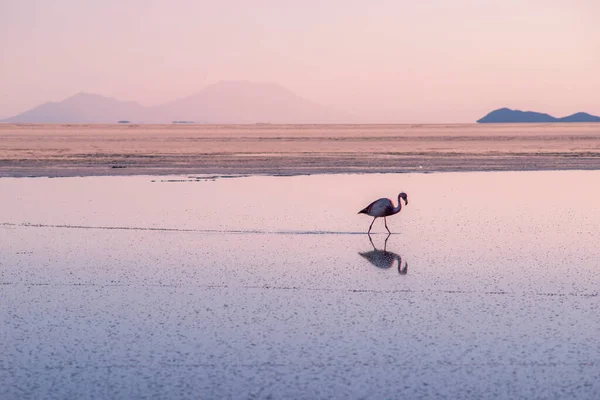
x: 397, y: 209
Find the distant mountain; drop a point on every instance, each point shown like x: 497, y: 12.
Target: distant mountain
x: 580, y: 117
x: 506, y: 115
x: 82, y: 108
x: 223, y: 102
x: 247, y: 102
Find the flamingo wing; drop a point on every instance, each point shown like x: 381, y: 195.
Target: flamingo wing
x: 378, y: 208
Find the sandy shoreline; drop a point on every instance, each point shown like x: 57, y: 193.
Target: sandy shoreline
x: 93, y: 150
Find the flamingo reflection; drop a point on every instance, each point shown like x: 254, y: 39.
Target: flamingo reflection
x: 384, y: 258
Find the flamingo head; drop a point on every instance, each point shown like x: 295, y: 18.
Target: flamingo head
x: 404, y: 197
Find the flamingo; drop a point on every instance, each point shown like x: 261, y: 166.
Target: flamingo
x: 383, y: 208
x: 384, y: 258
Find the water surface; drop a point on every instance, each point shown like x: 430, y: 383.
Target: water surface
x: 124, y: 287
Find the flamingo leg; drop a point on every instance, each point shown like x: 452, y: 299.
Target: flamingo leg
x: 371, y: 240
x: 385, y: 243
x: 371, y: 225
x: 386, y: 227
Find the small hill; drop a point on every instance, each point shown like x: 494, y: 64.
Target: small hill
x: 580, y: 117
x: 506, y: 115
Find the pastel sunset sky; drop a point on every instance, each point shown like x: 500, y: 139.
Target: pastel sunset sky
x: 387, y: 60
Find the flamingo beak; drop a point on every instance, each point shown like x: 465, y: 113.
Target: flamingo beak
x: 405, y: 201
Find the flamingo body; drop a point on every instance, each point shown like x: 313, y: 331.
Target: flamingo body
x: 385, y: 259
x: 381, y: 259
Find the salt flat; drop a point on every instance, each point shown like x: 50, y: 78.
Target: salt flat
x: 268, y: 287
x: 59, y: 150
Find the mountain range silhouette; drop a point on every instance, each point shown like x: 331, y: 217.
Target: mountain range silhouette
x: 506, y: 115
x: 227, y: 102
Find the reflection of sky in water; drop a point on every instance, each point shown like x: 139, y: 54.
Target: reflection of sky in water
x: 528, y: 231
x: 234, y: 284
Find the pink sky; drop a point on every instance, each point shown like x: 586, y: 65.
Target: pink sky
x: 387, y: 60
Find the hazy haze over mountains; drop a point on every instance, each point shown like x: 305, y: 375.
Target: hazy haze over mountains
x: 434, y: 61
x: 231, y: 102
x: 225, y: 102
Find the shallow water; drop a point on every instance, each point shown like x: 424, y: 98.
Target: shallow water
x: 124, y: 287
